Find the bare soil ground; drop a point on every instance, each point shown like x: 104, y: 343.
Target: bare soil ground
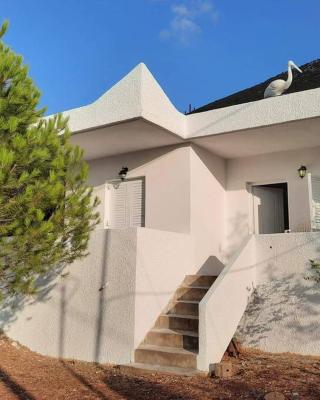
x: 27, y: 375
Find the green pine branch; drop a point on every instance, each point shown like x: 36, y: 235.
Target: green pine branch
x: 46, y: 207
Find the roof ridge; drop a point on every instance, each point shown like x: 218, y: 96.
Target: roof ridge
x: 310, y: 79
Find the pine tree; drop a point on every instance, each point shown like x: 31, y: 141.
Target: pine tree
x: 46, y: 207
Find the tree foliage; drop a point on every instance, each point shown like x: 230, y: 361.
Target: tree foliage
x: 46, y: 206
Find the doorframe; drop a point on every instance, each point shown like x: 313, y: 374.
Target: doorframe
x: 249, y: 187
x: 309, y: 183
x: 310, y: 194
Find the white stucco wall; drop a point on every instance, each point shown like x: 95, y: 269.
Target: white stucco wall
x: 197, y: 215
x: 137, y: 272
x: 265, y: 112
x: 185, y: 192
x: 76, y: 320
x: 138, y: 95
x: 167, y: 183
x: 264, y: 290
x: 163, y: 260
x: 268, y: 168
x: 221, y: 309
x: 191, y: 190
x: 207, y: 212
x: 284, y: 312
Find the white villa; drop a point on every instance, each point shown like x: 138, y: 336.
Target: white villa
x: 212, y: 215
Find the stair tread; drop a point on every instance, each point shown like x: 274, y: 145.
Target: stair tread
x: 164, y: 369
x: 194, y: 287
x: 185, y: 316
x: 198, y: 276
x: 166, y: 349
x: 172, y: 344
x: 187, y: 301
x: 175, y: 332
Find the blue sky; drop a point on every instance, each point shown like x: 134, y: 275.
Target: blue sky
x: 198, y: 50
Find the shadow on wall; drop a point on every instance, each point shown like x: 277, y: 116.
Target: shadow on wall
x: 212, y: 266
x: 239, y: 231
x: 11, y: 307
x: 58, y: 292
x: 108, y: 294
x: 107, y: 168
x: 88, y: 314
x: 283, y: 309
x: 266, y: 310
x: 215, y: 164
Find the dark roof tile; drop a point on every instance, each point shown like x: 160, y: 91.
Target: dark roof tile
x: 309, y: 79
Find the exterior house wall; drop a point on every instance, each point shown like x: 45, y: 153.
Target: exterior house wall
x: 276, y: 308
x: 72, y: 318
x: 198, y: 215
x: 207, y: 208
x: 163, y: 260
x: 221, y: 309
x: 268, y: 168
x: 167, y: 183
x: 283, y: 314
x: 107, y: 303
x: 185, y: 192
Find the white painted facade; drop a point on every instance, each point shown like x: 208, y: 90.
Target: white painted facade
x: 283, y: 313
x: 198, y: 217
x: 102, y: 310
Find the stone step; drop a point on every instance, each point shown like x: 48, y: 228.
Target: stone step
x: 173, y: 338
x: 199, y: 280
x: 162, y: 369
x: 178, y: 321
x: 186, y: 307
x: 168, y: 356
x: 172, y: 345
x: 195, y: 293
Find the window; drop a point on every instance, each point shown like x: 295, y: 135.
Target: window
x: 125, y: 203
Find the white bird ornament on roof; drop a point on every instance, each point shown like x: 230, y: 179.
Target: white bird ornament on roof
x: 277, y: 87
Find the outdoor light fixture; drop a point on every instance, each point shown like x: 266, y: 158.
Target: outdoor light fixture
x: 302, y: 171
x: 123, y: 172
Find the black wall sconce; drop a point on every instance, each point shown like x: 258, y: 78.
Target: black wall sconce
x: 123, y: 173
x: 302, y: 171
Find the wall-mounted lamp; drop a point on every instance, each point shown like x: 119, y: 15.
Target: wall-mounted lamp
x: 123, y: 172
x: 302, y: 171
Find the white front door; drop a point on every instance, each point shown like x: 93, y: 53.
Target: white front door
x: 125, y: 205
x: 314, y: 196
x: 268, y: 203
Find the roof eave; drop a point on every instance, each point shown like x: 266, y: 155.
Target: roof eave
x: 139, y: 96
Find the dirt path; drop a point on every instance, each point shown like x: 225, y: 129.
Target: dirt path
x: 27, y: 375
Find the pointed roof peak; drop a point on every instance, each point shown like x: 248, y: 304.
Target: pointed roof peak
x: 136, y: 95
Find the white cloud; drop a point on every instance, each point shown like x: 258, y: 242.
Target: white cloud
x: 187, y: 16
x: 181, y: 10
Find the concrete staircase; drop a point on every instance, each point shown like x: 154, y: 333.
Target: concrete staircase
x: 172, y: 345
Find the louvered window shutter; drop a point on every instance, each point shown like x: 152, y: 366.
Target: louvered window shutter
x: 125, y: 204
x: 315, y: 190
x: 135, y: 198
